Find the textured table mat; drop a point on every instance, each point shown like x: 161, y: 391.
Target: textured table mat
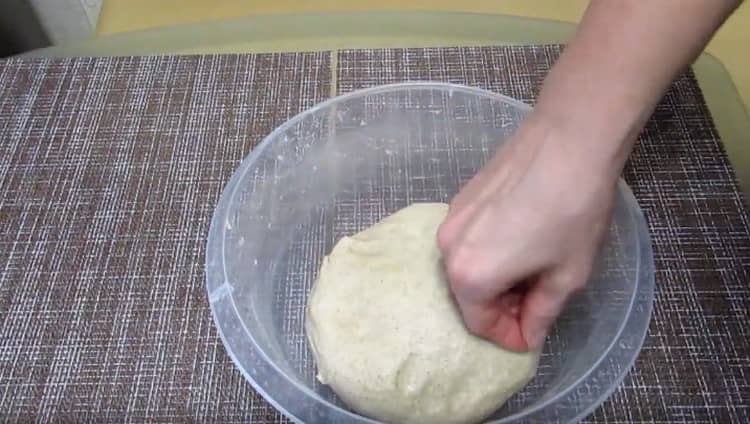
x: 110, y: 170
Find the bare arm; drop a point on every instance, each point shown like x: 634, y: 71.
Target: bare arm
x: 622, y: 59
x: 522, y: 236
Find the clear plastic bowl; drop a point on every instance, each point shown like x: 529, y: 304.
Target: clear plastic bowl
x: 350, y: 161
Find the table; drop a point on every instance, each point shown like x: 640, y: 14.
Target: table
x: 110, y: 169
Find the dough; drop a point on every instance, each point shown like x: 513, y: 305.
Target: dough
x: 388, y: 338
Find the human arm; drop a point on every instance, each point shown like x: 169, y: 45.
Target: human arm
x: 522, y: 235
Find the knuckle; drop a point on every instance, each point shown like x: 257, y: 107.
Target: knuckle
x: 444, y: 236
x: 462, y: 275
x: 458, y: 273
x: 572, y: 282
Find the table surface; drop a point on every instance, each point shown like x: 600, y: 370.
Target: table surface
x: 110, y: 169
x: 282, y: 26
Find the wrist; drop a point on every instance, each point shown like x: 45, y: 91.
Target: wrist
x: 573, y: 179
x: 594, y: 137
x: 575, y: 154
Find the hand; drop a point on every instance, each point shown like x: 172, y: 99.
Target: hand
x: 523, y: 234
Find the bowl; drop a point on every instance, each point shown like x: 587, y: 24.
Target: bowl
x: 344, y: 164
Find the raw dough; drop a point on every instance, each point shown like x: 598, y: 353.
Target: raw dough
x: 388, y: 338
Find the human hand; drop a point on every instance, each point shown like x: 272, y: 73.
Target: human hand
x: 522, y: 236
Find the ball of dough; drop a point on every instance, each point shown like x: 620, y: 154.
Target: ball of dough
x: 388, y: 338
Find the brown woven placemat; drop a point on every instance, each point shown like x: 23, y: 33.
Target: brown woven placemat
x: 110, y: 170
x: 109, y: 173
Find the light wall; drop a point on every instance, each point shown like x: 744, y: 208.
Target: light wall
x: 67, y: 20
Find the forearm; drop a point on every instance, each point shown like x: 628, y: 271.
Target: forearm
x: 608, y: 80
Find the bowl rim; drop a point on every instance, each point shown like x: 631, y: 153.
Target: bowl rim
x: 644, y: 265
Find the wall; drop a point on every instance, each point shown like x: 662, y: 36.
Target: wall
x: 20, y: 30
x: 66, y: 20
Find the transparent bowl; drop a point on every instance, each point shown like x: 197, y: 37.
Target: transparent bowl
x: 350, y: 161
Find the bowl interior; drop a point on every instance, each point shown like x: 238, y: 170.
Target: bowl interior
x: 343, y: 166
